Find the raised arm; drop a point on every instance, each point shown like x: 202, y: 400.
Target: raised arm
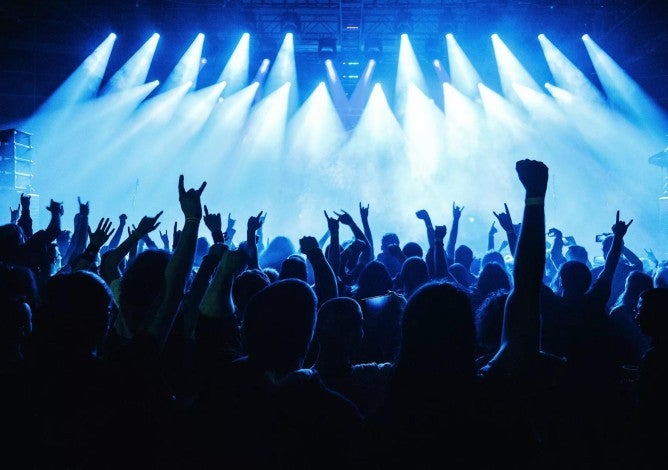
x: 97, y: 239
x: 254, y: 224
x: 520, y: 335
x: 109, y: 268
x: 364, y: 215
x: 346, y: 219
x: 214, y: 223
x: 116, y: 238
x: 611, y: 261
x: 53, y: 229
x: 452, y: 240
x: 180, y: 265
x: 490, y: 237
x: 440, y: 262
x: 506, y: 223
x: 217, y: 300
x: 230, y: 231
x: 325, y: 280
x: 334, y: 255
x: 423, y: 215
x: 556, y: 252
x: 79, y: 235
x: 24, y: 221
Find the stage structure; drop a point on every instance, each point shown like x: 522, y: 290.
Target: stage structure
x: 16, y: 171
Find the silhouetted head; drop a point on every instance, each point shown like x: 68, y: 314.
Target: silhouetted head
x: 201, y: 249
x: 18, y: 297
x: 294, y: 267
x: 493, y: 256
x: 245, y: 286
x: 661, y: 277
x: 373, y: 280
x: 414, y: 273
x: 276, y: 252
x: 142, y: 285
x: 438, y: 334
x: 577, y: 253
x: 412, y: 249
x: 279, y: 323
x: 340, y: 324
x: 271, y: 273
x: 492, y: 277
x: 11, y: 237
x: 460, y: 273
x: 464, y: 256
x: 636, y: 282
x: 652, y: 314
x: 489, y: 321
x: 76, y: 312
x: 575, y: 278
x: 389, y: 239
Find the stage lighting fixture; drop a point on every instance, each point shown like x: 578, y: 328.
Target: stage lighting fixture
x: 290, y: 22
x: 373, y: 49
x: 327, y: 48
x: 403, y: 23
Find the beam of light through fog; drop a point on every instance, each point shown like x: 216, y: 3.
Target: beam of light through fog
x: 464, y: 76
x: 314, y: 136
x: 510, y: 70
x: 282, y: 71
x: 134, y: 72
x: 338, y: 94
x: 408, y: 71
x: 124, y: 153
x: 95, y: 126
x: 624, y: 93
x: 361, y: 93
x: 188, y: 67
x: 236, y: 70
x: 566, y: 74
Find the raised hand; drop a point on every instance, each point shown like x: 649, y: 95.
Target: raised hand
x: 439, y: 232
x: 164, y: 237
x: 422, y: 215
x: 84, y: 209
x: 101, y: 234
x: 493, y: 229
x: 554, y: 232
x: 307, y: 244
x: 364, y: 211
x: 620, y: 227
x: 533, y: 175
x: 457, y: 211
x: 505, y: 220
x: 122, y: 219
x: 148, y: 224
x: 218, y: 250
x: 255, y: 222
x: 56, y: 208
x: 14, y: 214
x: 25, y: 201
x: 212, y: 221
x: 230, y: 221
x: 345, y: 218
x: 332, y: 223
x: 190, y: 200
x: 651, y: 256
x: 176, y: 234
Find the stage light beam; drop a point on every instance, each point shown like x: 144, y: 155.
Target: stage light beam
x: 464, y: 76
x: 134, y: 72
x: 188, y: 67
x: 236, y: 70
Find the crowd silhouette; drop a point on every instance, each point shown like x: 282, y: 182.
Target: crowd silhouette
x: 328, y: 352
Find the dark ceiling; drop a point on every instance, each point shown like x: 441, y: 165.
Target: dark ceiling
x: 41, y: 43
